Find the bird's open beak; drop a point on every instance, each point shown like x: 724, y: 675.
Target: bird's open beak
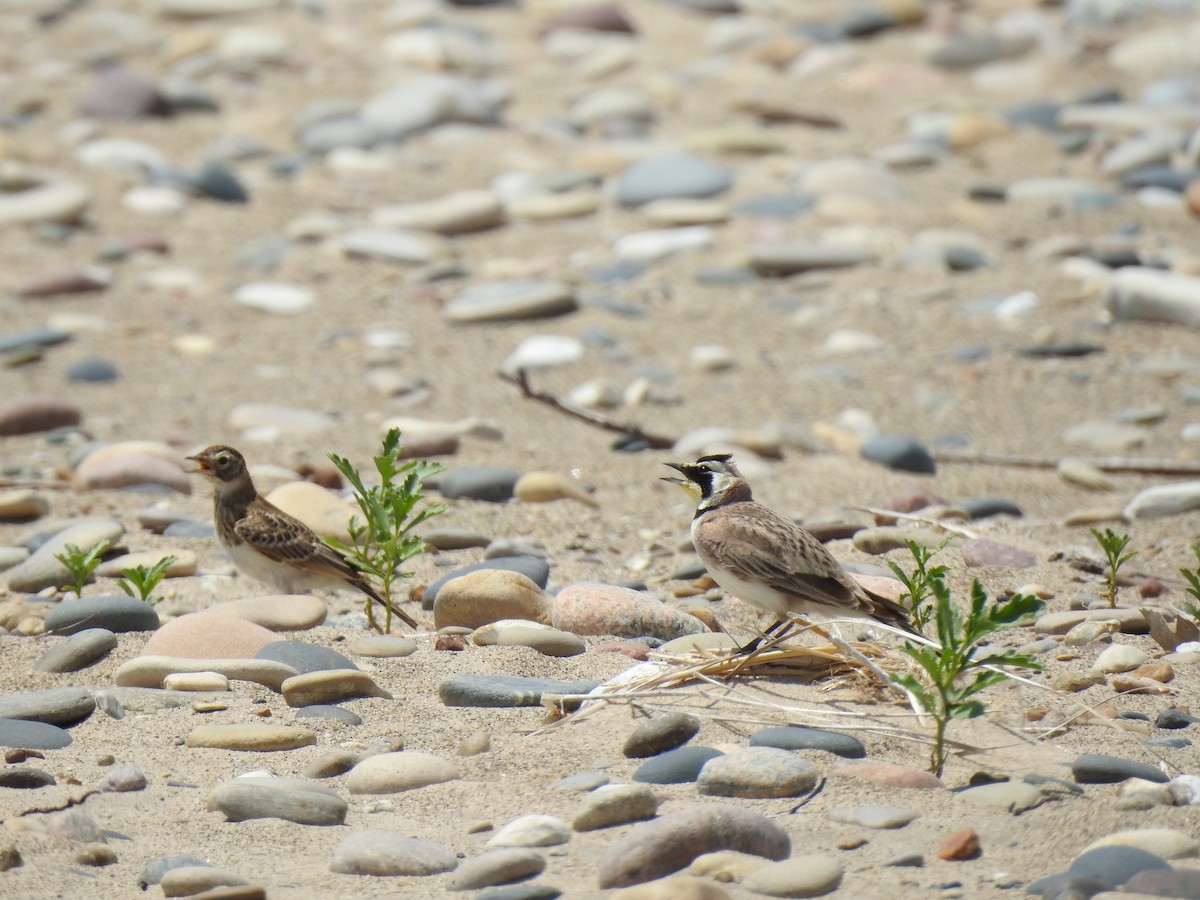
x: 202, y: 466
x: 687, y: 484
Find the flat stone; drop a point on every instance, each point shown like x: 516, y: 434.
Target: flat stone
x: 383, y: 646
x: 153, y: 871
x: 1014, y: 796
x: 22, y: 505
x: 489, y: 595
x: 782, y: 260
x: 121, y: 780
x: 542, y: 638
x: 304, y: 657
x: 290, y: 799
x: 1115, y: 864
x: 461, y: 212
x: 42, y: 570
x: 590, y: 608
x: 531, y: 830
x: 391, y: 773
x: 660, y: 733
x: 756, y: 772
x: 330, y: 686
x: 277, y: 299
x: 496, y: 867
x: 388, y: 853
x: 54, y: 706
x: 79, y: 651
x: 492, y: 484
x: 1130, y: 621
x: 150, y: 671
x: 676, y: 176
x: 1164, y: 500
x: 26, y: 778
x: 665, y: 845
x: 267, y: 421
x: 253, y: 737
x: 1120, y: 658
x: 799, y: 737
x: 900, y: 452
x: 873, y: 816
x: 30, y: 735
x: 1165, y: 843
x: 326, y: 711
x: 110, y: 471
x: 890, y: 775
x: 1164, y: 883
x: 505, y: 690
x: 57, y: 201
x: 535, y: 569
x: 117, y: 613
x: 200, y: 682
x: 1154, y: 295
x: 1099, y: 768
x: 196, y: 881
x: 675, y: 887
x: 801, y: 876
x: 546, y: 487
x: 184, y: 564
x: 208, y: 635
x: 679, y: 766
x: 979, y: 552
x: 290, y: 612
x: 506, y: 301
x: 615, y: 804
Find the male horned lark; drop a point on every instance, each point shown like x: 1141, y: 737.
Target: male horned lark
x: 766, y: 559
x: 268, y: 544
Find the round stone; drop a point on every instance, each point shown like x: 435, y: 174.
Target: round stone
x: 799, y: 737
x: 757, y: 772
x: 660, y: 733
x: 679, y: 766
x: 118, y: 613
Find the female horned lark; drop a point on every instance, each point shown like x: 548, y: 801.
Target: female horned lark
x: 766, y: 559
x: 268, y: 544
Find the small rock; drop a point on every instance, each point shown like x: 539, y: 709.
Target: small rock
x: 77, y: 652
x: 1120, y: 658
x: 589, y: 608
x: 391, y: 773
x: 290, y: 799
x: 329, y: 686
x: 489, y: 595
x: 960, y: 845
x: 32, y: 735
x: 798, y: 737
x: 679, y: 766
x: 615, y: 804
x: 659, y: 733
x: 756, y: 772
x: 890, y: 775
x: 532, y: 830
x: 255, y: 737
x: 505, y: 690
x: 801, y: 876
x: 387, y: 853
x: 873, y: 816
x: 496, y: 867
x: 115, y: 613
x: 1099, y: 768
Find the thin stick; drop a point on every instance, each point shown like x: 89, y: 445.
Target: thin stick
x: 655, y: 441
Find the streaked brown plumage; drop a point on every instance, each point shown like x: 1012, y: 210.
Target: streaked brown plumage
x: 267, y: 543
x: 766, y: 559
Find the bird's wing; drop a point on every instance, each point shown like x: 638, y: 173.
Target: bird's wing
x: 283, y: 539
x: 810, y: 573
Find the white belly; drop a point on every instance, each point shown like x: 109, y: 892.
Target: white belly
x: 281, y: 577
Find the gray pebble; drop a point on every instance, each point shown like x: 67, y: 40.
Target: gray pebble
x: 1099, y: 768
x: 492, y: 484
x: 662, y: 177
x: 117, y: 613
x: 153, y: 871
x: 389, y: 853
x: 121, y: 780
x: 505, y: 690
x: 291, y: 799
x: 55, y: 706
x: 905, y: 454
x: 30, y: 735
x: 1115, y: 864
x: 535, y: 569
x: 873, y: 816
x: 679, y: 766
x: 659, y: 733
x: 799, y: 737
x: 79, y: 651
x: 304, y: 657
x: 325, y: 711
x: 496, y: 867
x: 757, y: 772
x: 93, y: 370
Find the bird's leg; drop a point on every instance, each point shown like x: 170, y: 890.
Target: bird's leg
x: 750, y: 647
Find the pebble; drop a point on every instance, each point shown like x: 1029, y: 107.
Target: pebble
x: 1150, y: 294
x: 1115, y: 864
x: 873, y: 816
x: 589, y: 608
x: 55, y: 706
x: 119, y: 93
x: 199, y: 682
x: 505, y: 301
x: 80, y: 650
x: 118, y: 613
x: 32, y: 735
x: 1099, y: 768
x: 122, y: 780
x: 1166, y: 843
x: 542, y: 638
x: 535, y: 569
x: 277, y: 299
x: 660, y: 733
x: 798, y: 737
x: 129, y: 464
x: 1120, y: 658
x: 329, y: 686
x: 670, y: 843
x: 546, y: 487
x: 304, y: 657
x: 679, y: 766
x: 1014, y: 796
x: 489, y: 595
x: 542, y: 351
x: 1130, y: 621
x: 254, y: 737
x: 383, y: 646
x: 1164, y: 500
x: 496, y: 867
x: 391, y: 773
x: 615, y: 804
x: 462, y: 212
x: 899, y: 452
x: 1084, y: 474
x: 185, y: 563
x: 190, y: 881
x: 756, y: 772
x: 801, y: 876
x: 776, y: 260
x: 671, y: 177
x: 56, y: 201
x: 397, y: 245
x: 208, y: 635
x: 291, y: 799
x: 531, y: 830
x: 291, y: 612
x: 150, y: 671
x: 388, y: 853
x: 505, y: 690
x: 42, y: 570
x: 268, y: 422
x: 488, y: 483
x: 890, y: 775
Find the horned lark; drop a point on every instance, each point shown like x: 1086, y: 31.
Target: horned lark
x: 268, y: 544
x: 767, y: 559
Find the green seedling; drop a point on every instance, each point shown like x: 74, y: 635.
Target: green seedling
x: 382, y: 540
x: 1113, y: 546
x: 918, y: 586
x: 1192, y: 607
x: 144, y: 579
x: 81, y: 564
x: 961, y: 668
